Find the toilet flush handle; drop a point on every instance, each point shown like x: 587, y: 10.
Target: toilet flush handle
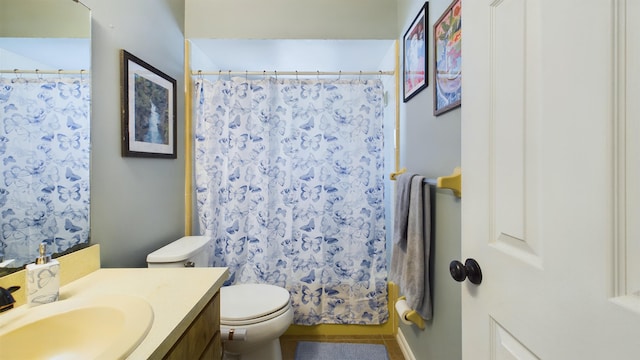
x: 189, y: 264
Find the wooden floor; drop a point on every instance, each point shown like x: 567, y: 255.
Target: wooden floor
x: 288, y: 343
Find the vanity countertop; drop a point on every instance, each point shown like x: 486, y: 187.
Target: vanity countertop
x: 177, y: 295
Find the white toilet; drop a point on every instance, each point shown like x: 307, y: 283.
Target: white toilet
x: 252, y: 316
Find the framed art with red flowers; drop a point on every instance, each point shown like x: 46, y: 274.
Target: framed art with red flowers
x: 447, y: 32
x: 415, y: 54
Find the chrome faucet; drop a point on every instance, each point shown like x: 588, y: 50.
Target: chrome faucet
x: 6, y: 299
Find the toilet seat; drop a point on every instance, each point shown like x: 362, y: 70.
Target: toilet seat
x: 247, y: 304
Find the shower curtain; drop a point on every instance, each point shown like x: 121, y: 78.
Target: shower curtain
x: 44, y: 149
x: 289, y: 185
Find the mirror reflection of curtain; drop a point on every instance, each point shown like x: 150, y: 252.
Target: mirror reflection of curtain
x: 45, y: 152
x: 289, y: 179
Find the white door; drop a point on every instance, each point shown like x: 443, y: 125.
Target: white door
x: 550, y: 180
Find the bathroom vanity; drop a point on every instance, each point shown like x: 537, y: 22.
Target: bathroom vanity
x: 184, y: 305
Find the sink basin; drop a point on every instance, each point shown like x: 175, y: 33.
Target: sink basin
x: 105, y: 327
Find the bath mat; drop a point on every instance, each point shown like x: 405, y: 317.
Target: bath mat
x: 310, y: 350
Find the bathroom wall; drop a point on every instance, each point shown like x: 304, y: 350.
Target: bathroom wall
x: 431, y: 146
x: 291, y: 19
x: 14, y: 14
x: 137, y: 203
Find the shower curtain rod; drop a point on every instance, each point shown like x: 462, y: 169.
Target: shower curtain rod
x: 304, y: 73
x: 44, y: 72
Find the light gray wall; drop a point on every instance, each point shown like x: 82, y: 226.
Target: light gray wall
x: 137, y: 204
x: 431, y: 146
x: 37, y: 18
x: 291, y: 19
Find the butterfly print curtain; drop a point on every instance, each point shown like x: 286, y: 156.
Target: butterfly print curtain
x: 44, y: 149
x: 289, y: 186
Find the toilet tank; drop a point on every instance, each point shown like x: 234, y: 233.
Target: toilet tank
x: 188, y: 251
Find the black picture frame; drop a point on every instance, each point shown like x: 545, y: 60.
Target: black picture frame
x: 149, y: 100
x: 415, y: 55
x: 447, y: 48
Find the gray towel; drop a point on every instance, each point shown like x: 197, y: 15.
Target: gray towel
x: 401, y: 216
x: 410, y: 263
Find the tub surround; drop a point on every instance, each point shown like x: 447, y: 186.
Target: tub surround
x: 388, y: 328
x: 177, y: 296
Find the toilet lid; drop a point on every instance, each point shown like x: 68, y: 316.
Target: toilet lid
x: 240, y: 303
x: 179, y: 250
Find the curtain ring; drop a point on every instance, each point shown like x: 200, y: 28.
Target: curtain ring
x: 297, y: 76
x: 81, y: 75
x: 318, y: 76
x: 246, y: 75
x: 38, y: 75
x: 275, y: 72
x: 229, y: 75
x: 360, y: 76
x: 59, y: 74
x: 220, y: 74
x: 339, y: 74
x: 19, y: 77
x: 380, y: 76
x: 264, y: 74
x: 200, y: 75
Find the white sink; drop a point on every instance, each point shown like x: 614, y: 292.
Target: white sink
x: 105, y: 327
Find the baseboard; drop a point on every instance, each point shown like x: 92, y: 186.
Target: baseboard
x: 404, y: 346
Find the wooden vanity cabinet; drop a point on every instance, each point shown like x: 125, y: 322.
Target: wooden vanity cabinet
x: 201, y: 340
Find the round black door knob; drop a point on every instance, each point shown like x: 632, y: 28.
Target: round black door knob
x: 470, y: 270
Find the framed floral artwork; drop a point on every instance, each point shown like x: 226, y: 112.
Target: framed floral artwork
x: 415, y: 55
x: 447, y: 32
x: 148, y: 110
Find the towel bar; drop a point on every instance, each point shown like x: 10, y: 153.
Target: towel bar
x: 452, y: 182
x: 431, y: 182
x: 394, y: 175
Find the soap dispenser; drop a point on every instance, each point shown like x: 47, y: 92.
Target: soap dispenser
x: 43, y: 279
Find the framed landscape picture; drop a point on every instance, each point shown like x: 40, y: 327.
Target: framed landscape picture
x: 447, y: 33
x: 148, y: 110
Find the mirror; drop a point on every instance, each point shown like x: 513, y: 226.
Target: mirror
x: 45, y: 97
